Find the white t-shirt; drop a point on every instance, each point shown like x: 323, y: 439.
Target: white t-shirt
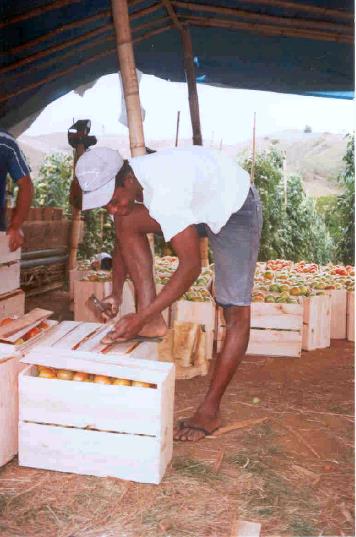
x: 189, y: 186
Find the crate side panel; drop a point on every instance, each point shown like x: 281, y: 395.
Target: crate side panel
x: 275, y: 343
x: 132, y: 457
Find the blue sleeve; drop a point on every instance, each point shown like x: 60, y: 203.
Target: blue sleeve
x: 17, y: 165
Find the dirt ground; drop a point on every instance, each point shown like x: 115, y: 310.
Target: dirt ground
x: 293, y: 473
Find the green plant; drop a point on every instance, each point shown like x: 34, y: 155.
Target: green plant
x: 53, y: 183
x: 346, y: 206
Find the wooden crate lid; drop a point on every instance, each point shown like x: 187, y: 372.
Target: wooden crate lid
x: 15, y: 329
x: 98, y: 364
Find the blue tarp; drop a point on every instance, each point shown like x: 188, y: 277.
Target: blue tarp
x: 50, y: 48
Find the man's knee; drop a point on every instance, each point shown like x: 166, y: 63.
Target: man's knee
x: 237, y: 316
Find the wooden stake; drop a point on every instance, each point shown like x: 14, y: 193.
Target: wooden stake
x: 177, y: 129
x: 192, y: 86
x: 253, y: 149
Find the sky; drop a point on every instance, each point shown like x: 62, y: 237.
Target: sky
x: 226, y: 114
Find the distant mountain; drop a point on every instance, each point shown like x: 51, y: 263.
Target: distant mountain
x: 317, y: 157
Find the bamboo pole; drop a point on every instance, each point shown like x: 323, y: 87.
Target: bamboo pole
x: 253, y: 149
x: 258, y: 17
x: 192, y: 86
x: 177, y: 128
x: 128, y: 76
x: 284, y: 4
x: 129, y: 82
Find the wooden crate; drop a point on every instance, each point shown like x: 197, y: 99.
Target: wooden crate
x: 316, y: 322
x: 74, y: 276
x: 351, y: 316
x: 338, y: 313
x: 95, y: 429
x: 12, y: 304
x: 82, y: 291
x: 276, y: 330
x: 10, y: 367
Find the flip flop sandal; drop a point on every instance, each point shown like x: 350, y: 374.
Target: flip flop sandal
x: 195, y: 428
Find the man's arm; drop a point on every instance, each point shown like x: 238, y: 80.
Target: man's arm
x: 186, y: 246
x: 23, y: 204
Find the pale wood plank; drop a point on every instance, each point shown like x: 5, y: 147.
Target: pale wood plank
x: 12, y: 304
x: 277, y: 316
x: 316, y: 322
x: 338, y: 313
x: 195, y: 312
x: 79, y: 451
x: 351, y: 316
x: 6, y: 256
x: 275, y: 343
x: 9, y: 277
x: 124, y: 409
x: 9, y: 370
x: 74, y: 276
x: 82, y: 291
x: 245, y: 528
x: 111, y: 365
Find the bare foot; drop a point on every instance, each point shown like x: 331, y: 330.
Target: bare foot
x: 155, y: 328
x: 199, y: 426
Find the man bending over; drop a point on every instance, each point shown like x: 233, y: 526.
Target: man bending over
x: 172, y: 191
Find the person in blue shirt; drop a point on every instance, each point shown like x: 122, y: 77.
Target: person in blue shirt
x: 13, y: 162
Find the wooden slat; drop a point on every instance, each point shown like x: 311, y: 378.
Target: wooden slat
x: 195, y: 312
x: 12, y: 304
x: 275, y: 343
x: 9, y: 277
x: 78, y: 451
x: 90, y: 362
x: 82, y: 291
x: 9, y: 370
x: 351, y: 316
x: 338, y: 313
x: 316, y: 322
x: 277, y: 316
x: 123, y: 409
x: 6, y: 256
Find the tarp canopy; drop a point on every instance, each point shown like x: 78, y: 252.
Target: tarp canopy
x: 52, y: 47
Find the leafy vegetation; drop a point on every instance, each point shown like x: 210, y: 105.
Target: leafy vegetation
x: 292, y: 227
x: 295, y: 226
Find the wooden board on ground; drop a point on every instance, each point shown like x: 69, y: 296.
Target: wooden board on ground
x: 338, y: 313
x: 351, y: 316
x: 316, y: 322
x: 12, y: 304
x: 96, y: 429
x: 10, y: 367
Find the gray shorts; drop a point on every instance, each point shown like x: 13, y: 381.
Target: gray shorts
x: 235, y: 250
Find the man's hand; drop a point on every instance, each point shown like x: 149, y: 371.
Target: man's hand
x: 16, y: 237
x: 112, y: 307
x: 128, y: 327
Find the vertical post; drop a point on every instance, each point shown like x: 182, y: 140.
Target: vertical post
x: 192, y: 86
x: 76, y: 216
x: 126, y: 57
x: 128, y: 76
x: 253, y: 149
x: 177, y: 129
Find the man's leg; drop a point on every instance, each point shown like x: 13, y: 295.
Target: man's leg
x: 131, y: 232
x: 207, y: 416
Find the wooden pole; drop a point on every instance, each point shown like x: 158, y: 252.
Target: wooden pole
x: 192, y: 86
x: 177, y: 129
x: 126, y: 57
x: 128, y: 75
x: 76, y: 216
x: 253, y: 149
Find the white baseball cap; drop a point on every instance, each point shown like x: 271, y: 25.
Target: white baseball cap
x: 96, y: 170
